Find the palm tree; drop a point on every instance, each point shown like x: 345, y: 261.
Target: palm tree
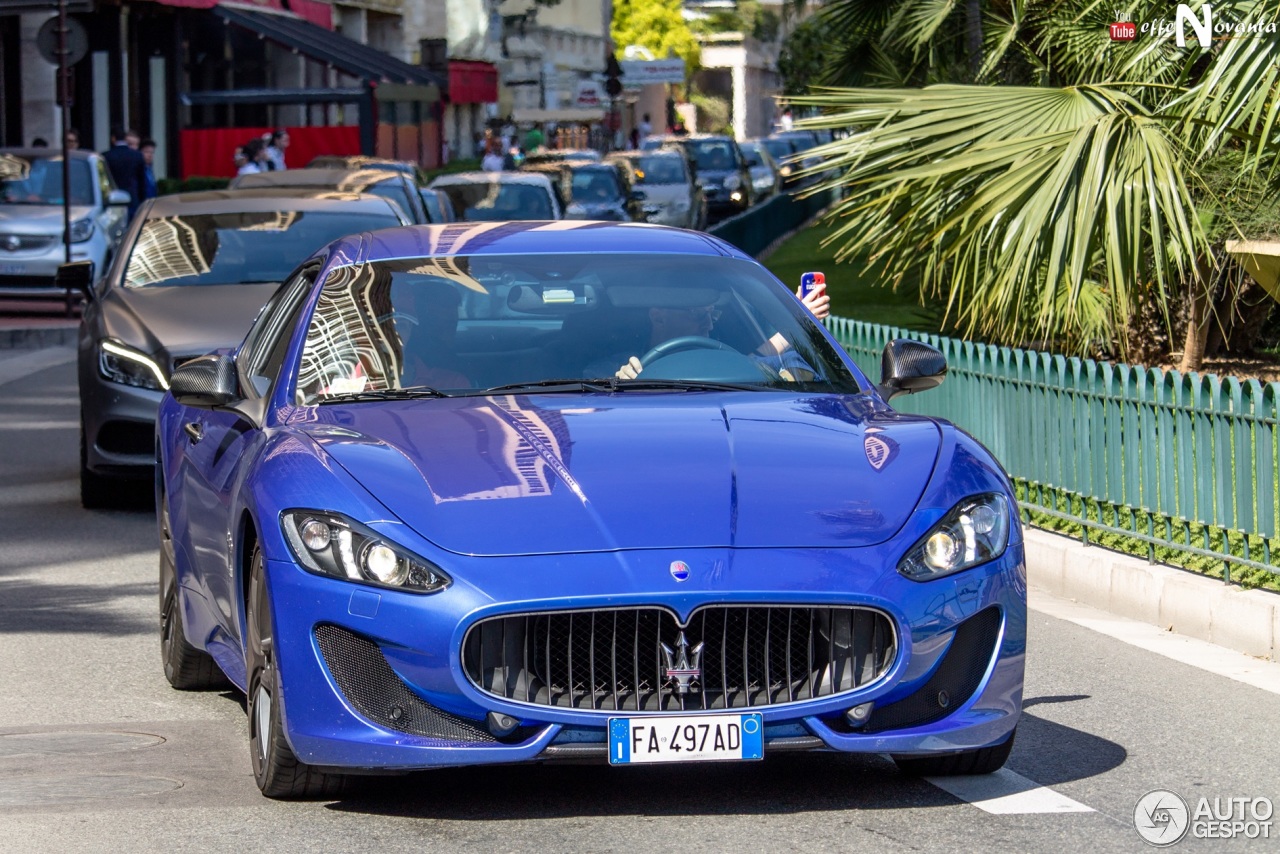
x: 1052, y: 211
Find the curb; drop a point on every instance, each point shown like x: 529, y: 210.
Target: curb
x: 38, y: 337
x: 1247, y: 621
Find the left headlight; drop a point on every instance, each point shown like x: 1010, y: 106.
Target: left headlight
x: 974, y: 531
x: 122, y: 364
x: 82, y: 230
x: 330, y: 544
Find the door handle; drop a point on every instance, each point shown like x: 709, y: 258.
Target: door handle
x: 194, y: 430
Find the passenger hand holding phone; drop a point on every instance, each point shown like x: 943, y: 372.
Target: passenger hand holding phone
x: 813, y: 294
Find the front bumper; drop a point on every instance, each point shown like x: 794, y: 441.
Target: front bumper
x: 30, y: 274
x: 410, y: 705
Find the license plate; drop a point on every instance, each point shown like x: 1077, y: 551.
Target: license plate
x: 690, y: 738
x: 13, y: 269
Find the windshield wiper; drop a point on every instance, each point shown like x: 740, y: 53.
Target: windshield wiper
x: 644, y: 384
x: 408, y: 393
x: 597, y: 386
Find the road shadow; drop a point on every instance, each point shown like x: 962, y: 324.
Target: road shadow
x: 34, y: 607
x: 1046, y: 752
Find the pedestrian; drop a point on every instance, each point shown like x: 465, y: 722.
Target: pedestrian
x: 148, y: 149
x: 39, y: 142
x: 635, y: 138
x: 133, y: 139
x: 492, y: 161
x: 72, y: 138
x: 127, y: 167
x: 645, y: 127
x: 276, y: 148
x: 255, y: 157
x: 534, y: 139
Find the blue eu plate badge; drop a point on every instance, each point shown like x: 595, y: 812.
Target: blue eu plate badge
x: 685, y: 738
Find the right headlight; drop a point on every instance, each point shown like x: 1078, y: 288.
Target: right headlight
x: 974, y: 531
x: 122, y: 364
x: 330, y: 544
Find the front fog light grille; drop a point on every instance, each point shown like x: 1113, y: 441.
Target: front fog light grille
x: 368, y: 682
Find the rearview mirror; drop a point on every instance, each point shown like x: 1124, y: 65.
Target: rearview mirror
x: 907, y: 367
x: 205, y: 382
x: 76, y: 276
x: 119, y: 197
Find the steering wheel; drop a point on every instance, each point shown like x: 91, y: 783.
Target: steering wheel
x: 679, y: 345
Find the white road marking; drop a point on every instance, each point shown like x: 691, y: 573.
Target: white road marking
x: 1007, y: 793
x: 20, y: 367
x: 1197, y: 653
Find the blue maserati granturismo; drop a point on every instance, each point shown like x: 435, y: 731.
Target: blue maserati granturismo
x: 532, y: 491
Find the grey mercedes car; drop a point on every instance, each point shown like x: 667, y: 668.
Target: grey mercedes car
x: 193, y: 272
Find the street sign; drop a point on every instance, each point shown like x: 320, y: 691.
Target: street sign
x: 77, y: 41
x: 638, y: 72
x: 589, y: 94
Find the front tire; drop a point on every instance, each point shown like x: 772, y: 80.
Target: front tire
x: 186, y: 667
x: 985, y: 760
x: 276, y: 770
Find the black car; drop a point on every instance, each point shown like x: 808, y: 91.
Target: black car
x: 191, y: 274
x: 596, y: 191
x: 720, y: 168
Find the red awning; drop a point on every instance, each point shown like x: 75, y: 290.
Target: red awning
x: 472, y: 82
x: 277, y: 5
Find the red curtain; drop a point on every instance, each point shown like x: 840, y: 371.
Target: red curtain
x: 210, y: 152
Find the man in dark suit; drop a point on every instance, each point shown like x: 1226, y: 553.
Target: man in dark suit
x: 128, y: 168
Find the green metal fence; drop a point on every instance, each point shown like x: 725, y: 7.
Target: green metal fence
x: 755, y: 229
x: 1183, y: 465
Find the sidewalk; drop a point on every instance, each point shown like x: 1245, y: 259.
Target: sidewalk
x: 36, y: 324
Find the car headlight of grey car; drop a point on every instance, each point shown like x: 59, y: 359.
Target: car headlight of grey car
x: 331, y: 544
x: 120, y: 363
x: 82, y: 230
x: 974, y: 531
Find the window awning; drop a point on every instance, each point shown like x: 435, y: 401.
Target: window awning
x: 346, y: 55
x: 472, y: 82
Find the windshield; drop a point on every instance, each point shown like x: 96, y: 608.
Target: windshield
x: 714, y: 155
x: 495, y: 201
x: 661, y: 170
x: 779, y: 148
x: 395, y: 192
x: 751, y: 154
x: 38, y: 181
x: 596, y: 186
x: 236, y: 248
x: 534, y: 324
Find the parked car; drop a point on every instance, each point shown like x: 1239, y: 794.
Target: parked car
x: 719, y: 168
x: 801, y: 142
x: 740, y: 550
x: 439, y: 208
x: 388, y: 183
x: 765, y: 177
x: 364, y: 161
x: 31, y: 219
x: 671, y: 195
x: 592, y: 190
x: 192, y: 274
x: 497, y: 196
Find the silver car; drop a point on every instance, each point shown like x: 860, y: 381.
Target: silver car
x: 194, y: 270
x: 31, y: 218
x: 500, y: 196
x: 671, y: 195
x: 765, y: 177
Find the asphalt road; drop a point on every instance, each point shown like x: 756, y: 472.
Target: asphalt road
x: 97, y: 753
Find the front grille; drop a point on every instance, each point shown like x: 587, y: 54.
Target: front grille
x: 368, y: 682
x: 26, y: 242
x: 615, y: 659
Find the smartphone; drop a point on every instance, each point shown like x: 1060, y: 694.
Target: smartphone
x: 809, y: 282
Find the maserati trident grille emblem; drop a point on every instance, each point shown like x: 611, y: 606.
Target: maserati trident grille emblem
x: 683, y: 665
x: 679, y: 570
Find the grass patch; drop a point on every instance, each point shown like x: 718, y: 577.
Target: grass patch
x: 855, y: 293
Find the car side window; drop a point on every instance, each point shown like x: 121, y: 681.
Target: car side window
x: 264, y: 348
x: 104, y: 181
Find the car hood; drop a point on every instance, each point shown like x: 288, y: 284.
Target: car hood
x: 181, y: 322
x: 38, y: 219
x: 515, y: 475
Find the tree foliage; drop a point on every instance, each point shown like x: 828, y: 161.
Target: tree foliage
x: 1056, y: 194
x: 803, y: 57
x: 658, y: 25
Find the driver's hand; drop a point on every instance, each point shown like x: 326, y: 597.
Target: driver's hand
x: 630, y: 370
x: 818, y: 303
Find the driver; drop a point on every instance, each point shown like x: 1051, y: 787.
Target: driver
x: 427, y: 335
x: 668, y: 323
